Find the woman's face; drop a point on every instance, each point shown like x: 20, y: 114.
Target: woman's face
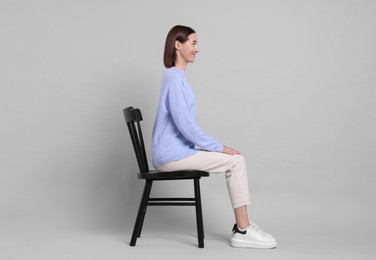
x: 187, y: 51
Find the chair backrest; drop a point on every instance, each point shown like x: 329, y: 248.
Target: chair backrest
x: 132, y: 118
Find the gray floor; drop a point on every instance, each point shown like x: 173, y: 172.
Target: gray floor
x: 169, y: 245
x: 306, y: 227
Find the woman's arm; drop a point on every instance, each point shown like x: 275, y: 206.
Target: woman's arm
x: 180, y: 106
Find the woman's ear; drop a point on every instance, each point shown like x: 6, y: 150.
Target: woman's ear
x: 177, y: 45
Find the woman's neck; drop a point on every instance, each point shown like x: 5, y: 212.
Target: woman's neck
x: 180, y: 64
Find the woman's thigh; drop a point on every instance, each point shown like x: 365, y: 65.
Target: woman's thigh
x: 204, y: 161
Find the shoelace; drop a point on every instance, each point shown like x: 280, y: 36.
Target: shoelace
x: 255, y: 228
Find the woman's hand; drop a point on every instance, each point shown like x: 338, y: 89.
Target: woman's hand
x: 229, y: 150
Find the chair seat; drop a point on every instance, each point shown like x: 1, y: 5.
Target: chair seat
x: 174, y: 175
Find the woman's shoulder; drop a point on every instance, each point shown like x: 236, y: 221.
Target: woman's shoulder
x: 174, y: 78
x: 174, y: 73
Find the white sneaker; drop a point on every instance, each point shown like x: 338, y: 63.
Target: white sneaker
x: 252, y: 237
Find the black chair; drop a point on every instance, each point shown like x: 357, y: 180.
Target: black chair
x: 133, y: 118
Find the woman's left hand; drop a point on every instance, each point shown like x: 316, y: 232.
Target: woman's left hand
x: 229, y: 150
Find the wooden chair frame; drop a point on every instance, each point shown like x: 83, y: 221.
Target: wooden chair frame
x: 133, y: 117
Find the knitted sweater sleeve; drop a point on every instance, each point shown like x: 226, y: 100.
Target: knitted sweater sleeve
x: 181, y: 105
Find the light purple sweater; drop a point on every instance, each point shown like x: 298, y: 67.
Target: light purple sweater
x: 176, y: 134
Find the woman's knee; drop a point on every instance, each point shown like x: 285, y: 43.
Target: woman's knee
x: 239, y: 159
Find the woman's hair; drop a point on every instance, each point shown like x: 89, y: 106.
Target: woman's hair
x: 177, y: 33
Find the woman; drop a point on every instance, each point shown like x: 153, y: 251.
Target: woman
x: 180, y: 144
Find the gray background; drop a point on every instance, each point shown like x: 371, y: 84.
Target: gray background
x: 291, y: 84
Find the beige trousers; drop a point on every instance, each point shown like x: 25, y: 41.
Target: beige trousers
x: 232, y: 165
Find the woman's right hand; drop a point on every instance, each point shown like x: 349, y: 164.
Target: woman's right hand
x: 229, y: 150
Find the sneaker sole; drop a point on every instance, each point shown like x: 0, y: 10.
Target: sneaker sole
x: 248, y: 244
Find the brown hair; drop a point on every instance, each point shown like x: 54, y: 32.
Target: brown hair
x: 177, y: 33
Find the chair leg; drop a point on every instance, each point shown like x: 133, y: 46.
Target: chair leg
x: 141, y: 212
x: 142, y: 221
x: 200, y: 224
